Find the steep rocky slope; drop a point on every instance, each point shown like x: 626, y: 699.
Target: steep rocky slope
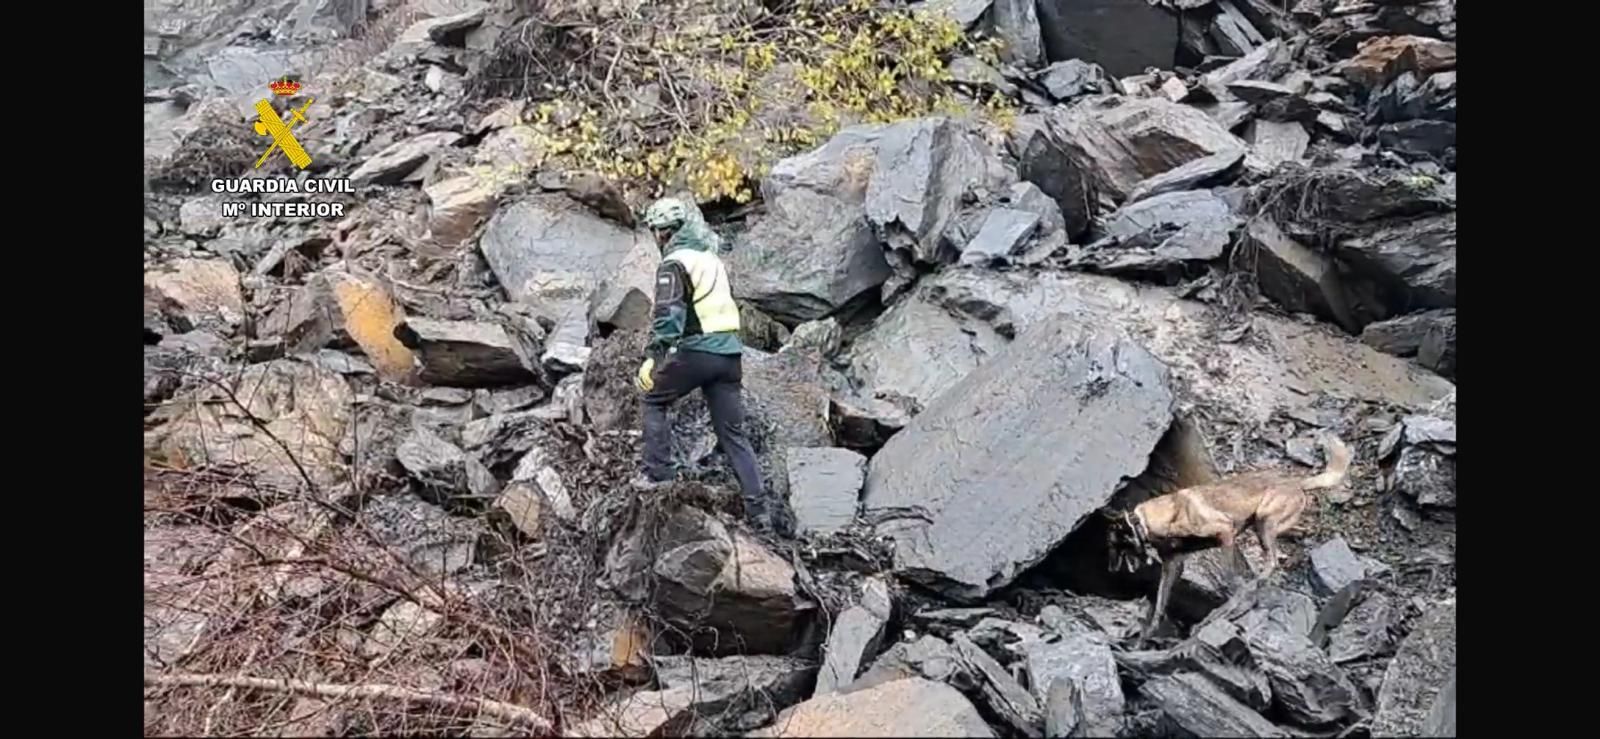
x: 1070, y: 254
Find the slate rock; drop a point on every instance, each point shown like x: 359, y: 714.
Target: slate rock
x: 1403, y: 336
x: 1380, y: 60
x: 493, y: 401
x: 1172, y: 234
x: 1003, y: 232
x: 1419, y: 138
x: 906, y: 707
x: 724, y: 588
x: 1268, y: 61
x: 1118, y: 389
x: 1200, y: 173
x: 1367, y: 631
x: 1232, y: 30
x: 1075, y: 78
x: 1028, y: 197
x: 463, y: 353
x: 342, y: 310
x: 1124, y: 36
x: 442, y: 468
x: 197, y: 292
x: 855, y: 637
x: 1114, y: 143
x: 1042, y: 162
x: 1085, y: 661
x: 824, y: 488
x: 1334, y: 566
x: 624, y: 298
x: 1273, y: 143
x: 456, y: 207
x: 929, y: 657
x: 1306, y: 686
x: 1296, y: 277
x: 1425, y: 476
x: 1441, y: 720
x: 548, y: 251
x: 1418, y: 674
x: 394, y: 163
x: 1016, y: 22
x: 1063, y: 708
x: 1192, y: 706
x: 1003, y: 695
x: 923, y: 167
x: 1259, y: 92
x: 1415, y: 258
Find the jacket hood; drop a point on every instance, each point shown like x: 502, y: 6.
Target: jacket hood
x: 694, y: 234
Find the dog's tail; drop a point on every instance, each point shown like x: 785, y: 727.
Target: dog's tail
x: 1338, y: 458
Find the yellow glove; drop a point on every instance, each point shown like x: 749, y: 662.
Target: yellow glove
x: 646, y: 379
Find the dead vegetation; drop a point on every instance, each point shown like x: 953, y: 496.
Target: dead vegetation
x: 708, y: 95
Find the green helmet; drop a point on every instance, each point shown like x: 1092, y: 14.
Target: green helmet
x: 666, y: 213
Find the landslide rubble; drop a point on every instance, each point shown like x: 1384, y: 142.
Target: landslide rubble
x: 1002, y: 265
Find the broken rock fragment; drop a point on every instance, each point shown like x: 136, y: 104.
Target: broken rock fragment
x: 1083, y: 660
x: 1117, y: 388
x: 343, y: 310
x: 856, y: 637
x: 1380, y: 60
x: 1297, y: 277
x: 548, y: 251
x: 1192, y: 705
x: 824, y: 488
x: 458, y: 205
x: 999, y: 691
x: 442, y: 468
x: 723, y: 587
x: 198, y: 291
x: 392, y: 165
x: 1171, y: 234
x: 1075, y: 78
x: 463, y: 353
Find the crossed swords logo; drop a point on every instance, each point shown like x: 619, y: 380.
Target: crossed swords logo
x: 271, y: 125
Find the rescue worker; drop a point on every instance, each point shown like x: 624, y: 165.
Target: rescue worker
x: 695, y: 344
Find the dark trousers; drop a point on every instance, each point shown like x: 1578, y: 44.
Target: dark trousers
x: 718, y: 376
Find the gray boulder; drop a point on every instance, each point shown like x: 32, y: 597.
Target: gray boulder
x: 1016, y: 22
x: 442, y: 470
x: 1110, y: 144
x: 807, y: 255
x: 1202, y: 172
x: 1027, y: 471
x: 548, y: 251
x: 1334, y: 566
x: 723, y: 588
x: 1075, y: 78
x: 1418, y: 674
x: 1172, y: 234
x: 1417, y: 257
x: 1124, y: 36
x: 1297, y: 277
x: 929, y: 657
x: 393, y: 164
x: 1367, y: 631
x: 1085, y: 661
x: 1002, y: 234
x: 824, y: 488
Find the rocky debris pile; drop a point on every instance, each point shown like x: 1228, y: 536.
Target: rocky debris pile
x: 1214, y: 229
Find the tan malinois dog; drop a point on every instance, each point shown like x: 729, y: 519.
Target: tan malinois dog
x: 1169, y: 527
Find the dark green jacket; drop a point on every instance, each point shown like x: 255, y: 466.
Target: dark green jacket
x: 675, y: 324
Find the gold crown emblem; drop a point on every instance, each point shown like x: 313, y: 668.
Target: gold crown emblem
x: 285, y: 87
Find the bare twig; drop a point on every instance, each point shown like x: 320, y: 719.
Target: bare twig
x: 498, y: 709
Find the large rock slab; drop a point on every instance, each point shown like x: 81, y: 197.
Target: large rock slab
x: 1419, y: 673
x: 548, y: 251
x: 998, y: 691
x: 1298, y: 277
x: 464, y: 353
x: 1006, y: 457
x: 909, y: 707
x: 957, y: 320
x: 1124, y: 36
x: 819, y: 244
x: 1111, y: 144
x: 624, y: 298
x: 394, y: 163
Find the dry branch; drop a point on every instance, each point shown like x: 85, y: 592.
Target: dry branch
x: 497, y: 709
